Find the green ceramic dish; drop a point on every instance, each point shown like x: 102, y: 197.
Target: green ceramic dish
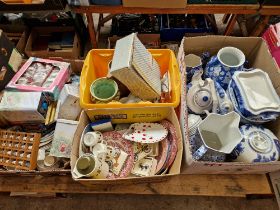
x: 104, y: 89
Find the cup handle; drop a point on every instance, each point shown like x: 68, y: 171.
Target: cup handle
x: 200, y: 152
x: 206, y: 112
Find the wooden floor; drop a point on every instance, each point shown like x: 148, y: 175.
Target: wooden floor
x: 139, y: 202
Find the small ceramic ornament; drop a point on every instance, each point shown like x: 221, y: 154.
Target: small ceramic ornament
x: 145, y: 167
x: 146, y: 133
x: 141, y: 150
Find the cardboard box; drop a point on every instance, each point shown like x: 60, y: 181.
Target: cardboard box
x: 53, y: 90
x: 175, y: 168
x: 10, y: 60
x: 155, y: 3
x: 22, y: 107
x: 17, y: 34
x: 72, y: 53
x: 258, y: 55
x: 151, y: 41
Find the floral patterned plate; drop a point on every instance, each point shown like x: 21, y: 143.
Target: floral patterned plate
x: 114, y: 139
x: 172, y: 138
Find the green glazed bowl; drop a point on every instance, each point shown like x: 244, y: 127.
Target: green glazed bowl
x: 103, y: 89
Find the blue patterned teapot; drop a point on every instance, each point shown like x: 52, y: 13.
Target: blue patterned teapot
x: 222, y: 66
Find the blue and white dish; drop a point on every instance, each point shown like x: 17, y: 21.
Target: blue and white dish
x: 251, y: 119
x: 258, y: 145
x: 220, y: 68
x: 255, y: 93
x: 241, y: 107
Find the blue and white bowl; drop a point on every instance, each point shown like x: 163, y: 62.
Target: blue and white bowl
x: 258, y: 145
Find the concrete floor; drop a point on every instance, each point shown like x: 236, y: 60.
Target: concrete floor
x: 127, y: 202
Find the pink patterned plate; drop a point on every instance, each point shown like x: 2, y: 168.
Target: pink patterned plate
x: 114, y: 139
x: 146, y: 132
x: 163, y: 153
x: 173, y: 140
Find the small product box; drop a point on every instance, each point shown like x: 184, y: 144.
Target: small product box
x: 24, y: 107
x: 69, y: 100
x: 41, y: 75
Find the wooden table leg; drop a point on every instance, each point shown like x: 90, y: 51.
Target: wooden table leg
x: 225, y: 18
x: 91, y: 30
x: 260, y: 25
x: 230, y: 25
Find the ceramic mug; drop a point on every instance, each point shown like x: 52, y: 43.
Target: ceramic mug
x: 90, y: 139
x: 89, y: 165
x: 100, y: 150
x: 193, y: 64
x: 219, y: 134
x: 221, y: 67
x: 104, y: 90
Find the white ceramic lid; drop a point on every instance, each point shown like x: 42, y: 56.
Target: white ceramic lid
x: 257, y: 91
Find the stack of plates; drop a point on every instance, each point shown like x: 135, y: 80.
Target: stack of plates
x: 193, y: 123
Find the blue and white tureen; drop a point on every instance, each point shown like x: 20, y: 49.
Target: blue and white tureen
x: 258, y: 145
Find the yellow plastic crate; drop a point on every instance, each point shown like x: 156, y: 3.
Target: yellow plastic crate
x: 96, y: 66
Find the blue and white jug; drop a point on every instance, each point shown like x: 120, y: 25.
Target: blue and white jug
x: 222, y: 66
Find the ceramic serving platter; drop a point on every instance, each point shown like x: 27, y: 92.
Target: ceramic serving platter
x: 146, y: 132
x: 163, y: 153
x: 172, y: 138
x: 258, y: 92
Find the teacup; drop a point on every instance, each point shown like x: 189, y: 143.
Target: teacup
x: 100, y: 150
x: 89, y: 165
x: 104, y: 90
x: 90, y: 139
x: 219, y: 134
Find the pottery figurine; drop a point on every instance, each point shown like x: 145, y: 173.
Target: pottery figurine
x: 221, y: 67
x: 258, y: 145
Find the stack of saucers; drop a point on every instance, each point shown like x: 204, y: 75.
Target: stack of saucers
x: 193, y: 123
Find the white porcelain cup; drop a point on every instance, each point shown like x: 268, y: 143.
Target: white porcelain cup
x: 89, y: 165
x: 100, y: 150
x: 90, y: 139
